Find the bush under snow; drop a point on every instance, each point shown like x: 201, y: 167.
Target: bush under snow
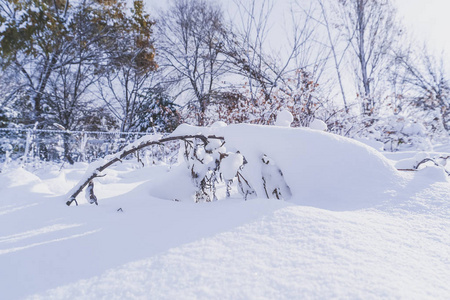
x: 320, y: 169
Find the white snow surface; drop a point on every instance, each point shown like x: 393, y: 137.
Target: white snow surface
x: 354, y: 228
x: 230, y: 165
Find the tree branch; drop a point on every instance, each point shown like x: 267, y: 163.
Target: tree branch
x: 127, y: 151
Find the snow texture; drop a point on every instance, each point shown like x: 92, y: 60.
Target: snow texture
x: 354, y: 227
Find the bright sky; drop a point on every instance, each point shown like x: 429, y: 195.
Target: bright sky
x: 425, y: 20
x: 429, y: 21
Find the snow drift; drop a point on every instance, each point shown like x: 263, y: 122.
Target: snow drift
x: 321, y: 169
x: 136, y: 246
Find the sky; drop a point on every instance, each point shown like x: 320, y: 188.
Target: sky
x: 428, y: 21
x: 425, y: 22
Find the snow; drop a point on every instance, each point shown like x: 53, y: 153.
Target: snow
x: 354, y: 227
x: 415, y: 129
x: 230, y: 165
x: 372, y: 143
x: 409, y: 163
x: 318, y: 125
x: 284, y: 118
x: 321, y: 169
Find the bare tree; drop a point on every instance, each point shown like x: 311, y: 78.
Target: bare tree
x: 337, y: 45
x: 191, y: 35
x: 370, y: 27
x: 131, y: 68
x: 67, y: 95
x: 246, y: 48
x: 122, y: 92
x: 263, y: 67
x: 429, y: 85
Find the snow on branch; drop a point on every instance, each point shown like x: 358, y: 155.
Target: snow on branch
x: 209, y: 164
x: 146, y: 141
x: 414, y: 163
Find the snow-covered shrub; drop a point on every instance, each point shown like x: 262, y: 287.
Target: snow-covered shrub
x: 258, y: 105
x: 203, y: 161
x: 157, y: 112
x: 265, y: 161
x: 397, y: 132
x: 300, y: 164
x: 209, y: 164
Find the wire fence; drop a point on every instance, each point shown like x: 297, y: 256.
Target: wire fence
x: 33, y: 146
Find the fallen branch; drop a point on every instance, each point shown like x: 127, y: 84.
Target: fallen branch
x: 407, y: 170
x: 425, y: 160
x: 129, y: 150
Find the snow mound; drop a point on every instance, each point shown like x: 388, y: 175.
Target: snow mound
x: 218, y: 124
x: 17, y: 177
x: 377, y: 145
x: 322, y: 169
x: 284, y: 119
x: 318, y: 125
x: 174, y: 185
x: 434, y: 174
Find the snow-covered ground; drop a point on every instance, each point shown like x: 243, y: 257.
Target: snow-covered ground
x: 353, y: 227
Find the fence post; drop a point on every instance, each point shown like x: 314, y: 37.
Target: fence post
x: 27, y: 147
x: 83, y: 146
x: 7, y: 160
